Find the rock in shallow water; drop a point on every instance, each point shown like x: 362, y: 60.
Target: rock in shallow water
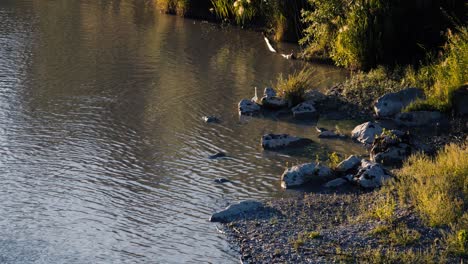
x: 211, y: 119
x: 392, y: 103
x: 217, y: 155
x: 247, y: 107
x: 278, y: 141
x: 305, y: 110
x: 303, y: 173
x: 366, y: 132
x: 236, y: 210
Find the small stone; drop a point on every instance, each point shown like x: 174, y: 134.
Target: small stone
x: 247, y: 107
x: 217, y: 155
x: 211, y: 119
x: 236, y: 210
x: 305, y: 110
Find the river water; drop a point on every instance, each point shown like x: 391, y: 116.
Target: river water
x: 103, y: 153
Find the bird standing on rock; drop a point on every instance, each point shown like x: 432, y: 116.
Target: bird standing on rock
x: 255, y: 98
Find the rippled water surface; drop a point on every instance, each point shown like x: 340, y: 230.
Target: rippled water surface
x: 103, y: 153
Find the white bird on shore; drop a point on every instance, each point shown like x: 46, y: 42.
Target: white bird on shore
x: 288, y: 56
x: 255, y: 98
x: 270, y: 47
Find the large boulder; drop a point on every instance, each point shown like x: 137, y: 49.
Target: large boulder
x: 349, y: 164
x: 235, y: 211
x: 304, y: 173
x: 247, y: 107
x: 459, y: 101
x: 371, y: 174
x: 278, y: 141
x: 419, y: 118
x: 392, y: 103
x: 365, y: 133
x: 305, y: 110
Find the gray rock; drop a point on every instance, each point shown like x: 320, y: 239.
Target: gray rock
x: 236, y: 210
x: 336, y: 183
x: 305, y: 110
x: 371, y: 174
x: 459, y: 101
x: 217, y: 155
x: 269, y: 92
x: 316, y: 96
x: 330, y: 134
x: 419, y: 118
x: 366, y: 133
x: 273, y: 102
x: 221, y: 180
x: 278, y: 141
x: 392, y: 103
x: 351, y: 163
x: 211, y: 119
x: 247, y: 107
x: 394, y: 155
x: 304, y: 173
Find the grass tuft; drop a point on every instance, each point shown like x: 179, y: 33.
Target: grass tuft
x: 293, y: 87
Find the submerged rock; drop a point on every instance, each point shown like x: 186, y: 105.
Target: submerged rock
x: 330, y: 134
x: 305, y: 110
x: 419, y: 118
x: 247, y: 107
x: 236, y: 210
x: 349, y: 164
x: 217, y: 155
x: 371, y: 174
x: 303, y: 173
x: 221, y: 180
x: 278, y: 141
x: 392, y: 103
x: 211, y: 119
x: 365, y: 133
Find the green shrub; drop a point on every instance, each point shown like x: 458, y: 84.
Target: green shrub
x: 442, y: 78
x: 293, y: 87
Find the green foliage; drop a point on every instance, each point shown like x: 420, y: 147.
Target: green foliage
x: 437, y: 188
x: 364, y: 88
x: 384, y: 208
x: 302, y: 238
x: 293, y: 87
x: 457, y: 238
x: 443, y: 77
x: 334, y: 159
x: 323, y: 22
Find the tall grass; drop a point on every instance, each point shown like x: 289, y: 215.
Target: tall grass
x: 437, y: 187
x: 293, y: 87
x: 445, y: 76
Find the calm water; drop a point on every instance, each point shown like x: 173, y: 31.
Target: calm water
x: 103, y: 153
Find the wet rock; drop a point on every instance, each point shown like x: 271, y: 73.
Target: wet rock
x: 273, y: 102
x: 394, y: 155
x: 349, y: 164
x: 419, y: 118
x: 247, y: 107
x: 211, y: 119
x: 269, y: 92
x: 278, y: 141
x: 221, y: 180
x: 303, y: 173
x: 305, y: 110
x: 392, y: 103
x: 459, y: 101
x: 217, y: 155
x: 236, y: 210
x: 371, y: 174
x: 336, y: 183
x: 330, y: 134
x: 365, y: 133
x: 316, y: 96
